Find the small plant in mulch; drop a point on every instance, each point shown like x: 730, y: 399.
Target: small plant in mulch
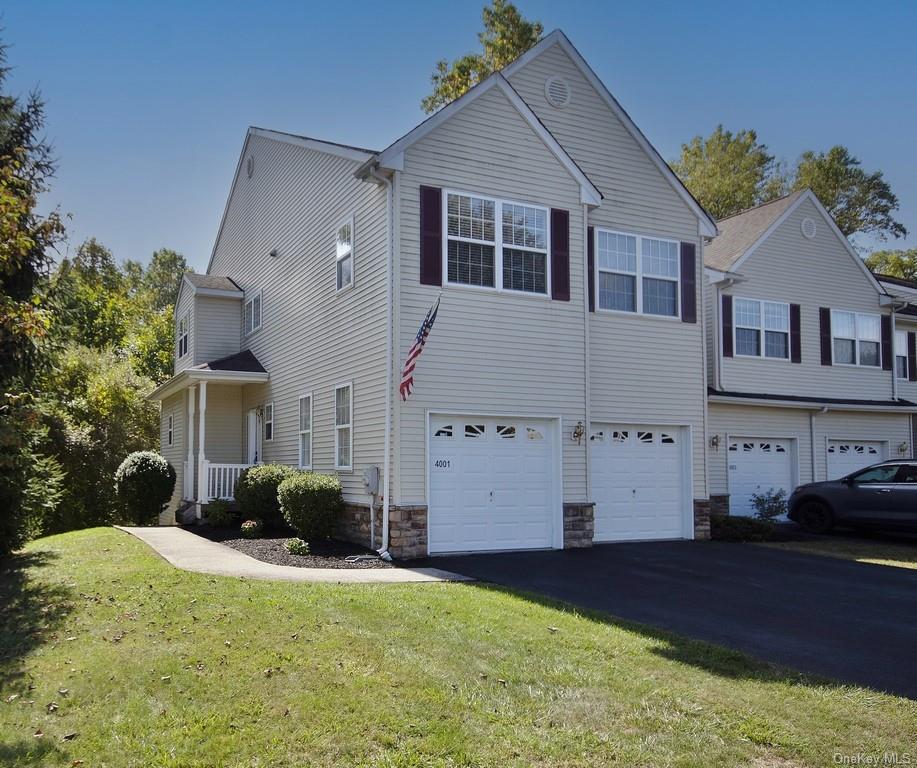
x: 219, y: 514
x: 297, y: 546
x: 251, y: 529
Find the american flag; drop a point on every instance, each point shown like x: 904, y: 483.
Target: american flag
x: 407, y: 373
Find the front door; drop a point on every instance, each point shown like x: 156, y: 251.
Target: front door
x: 254, y: 436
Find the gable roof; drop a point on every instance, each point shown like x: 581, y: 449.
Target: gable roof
x: 211, y: 285
x: 902, y: 290
x: 751, y: 228
x: 393, y: 155
x: 707, y: 224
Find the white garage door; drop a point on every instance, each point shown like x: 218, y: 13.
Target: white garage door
x: 493, y: 484
x: 846, y: 456
x: 756, y: 465
x: 638, y: 482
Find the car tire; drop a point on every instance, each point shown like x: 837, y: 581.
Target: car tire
x: 815, y: 517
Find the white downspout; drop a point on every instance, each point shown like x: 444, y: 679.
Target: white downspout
x: 894, y: 357
x: 389, y: 368
x: 702, y: 320
x: 586, y: 356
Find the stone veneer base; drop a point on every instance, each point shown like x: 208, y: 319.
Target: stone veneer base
x: 701, y: 519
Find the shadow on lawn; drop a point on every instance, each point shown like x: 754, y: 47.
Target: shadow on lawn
x: 29, y: 611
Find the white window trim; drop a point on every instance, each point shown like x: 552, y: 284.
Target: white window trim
x: 903, y: 353
x: 265, y: 421
x: 638, y: 275
x: 761, y: 330
x: 307, y: 431
x: 497, y: 245
x: 185, y: 320
x: 170, y: 431
x: 256, y: 295
x: 856, y: 340
x: 353, y: 247
x: 338, y: 427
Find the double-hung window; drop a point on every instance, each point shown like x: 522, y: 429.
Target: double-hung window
x: 762, y: 328
x: 268, y: 422
x: 183, y: 324
x: 496, y: 244
x: 856, y: 338
x: 637, y: 274
x: 343, y: 427
x: 344, y: 255
x: 252, y: 313
x: 305, y: 431
x: 901, y: 354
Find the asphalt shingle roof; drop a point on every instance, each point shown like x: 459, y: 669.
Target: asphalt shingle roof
x: 215, y: 282
x: 243, y: 361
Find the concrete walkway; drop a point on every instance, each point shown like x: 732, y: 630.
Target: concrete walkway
x: 194, y: 553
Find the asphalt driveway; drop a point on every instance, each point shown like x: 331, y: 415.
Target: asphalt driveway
x: 854, y: 622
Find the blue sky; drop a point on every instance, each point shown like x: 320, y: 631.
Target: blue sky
x: 148, y: 103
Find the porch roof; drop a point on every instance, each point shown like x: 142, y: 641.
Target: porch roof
x: 240, y: 368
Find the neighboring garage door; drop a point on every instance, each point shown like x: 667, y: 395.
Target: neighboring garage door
x: 493, y: 484
x: 756, y: 465
x: 846, y: 456
x: 638, y: 482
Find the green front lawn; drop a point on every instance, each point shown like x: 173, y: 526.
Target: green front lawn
x: 151, y: 666
x: 899, y: 553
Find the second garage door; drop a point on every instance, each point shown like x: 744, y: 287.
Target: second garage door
x: 847, y: 456
x: 638, y: 477
x: 757, y: 465
x: 493, y: 484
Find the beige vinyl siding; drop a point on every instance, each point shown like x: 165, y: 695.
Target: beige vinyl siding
x: 175, y: 454
x: 223, y: 433
x: 642, y: 368
x: 907, y: 390
x: 312, y: 338
x: 185, y: 304
x: 489, y: 353
x: 815, y: 273
x: 710, y: 320
x: 218, y: 324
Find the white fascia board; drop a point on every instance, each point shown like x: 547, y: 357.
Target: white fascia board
x: 706, y: 224
x: 216, y: 292
x: 715, y: 276
x: 393, y: 157
x: 809, y: 405
x: 189, y: 376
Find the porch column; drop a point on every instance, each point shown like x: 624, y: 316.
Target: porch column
x: 202, y: 469
x: 189, y: 481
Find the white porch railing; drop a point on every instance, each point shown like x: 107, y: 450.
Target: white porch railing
x: 221, y: 479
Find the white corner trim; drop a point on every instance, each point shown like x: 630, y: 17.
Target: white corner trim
x: 705, y: 222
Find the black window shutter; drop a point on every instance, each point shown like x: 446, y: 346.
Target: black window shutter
x: 795, y: 333
x: 590, y: 265
x: 912, y: 356
x: 560, y: 254
x: 431, y: 236
x: 824, y: 333
x: 887, y: 356
x: 727, y: 326
x: 688, y: 284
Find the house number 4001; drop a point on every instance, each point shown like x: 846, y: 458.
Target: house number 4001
x: 442, y: 463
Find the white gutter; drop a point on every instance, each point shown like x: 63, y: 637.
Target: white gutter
x: 808, y: 405
x: 389, y: 367
x: 702, y: 321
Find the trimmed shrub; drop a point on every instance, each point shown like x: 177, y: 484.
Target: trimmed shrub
x: 251, y: 529
x: 310, y: 503
x: 256, y: 492
x: 219, y: 515
x: 769, y: 505
x: 144, y: 483
x: 297, y: 546
x: 730, y: 528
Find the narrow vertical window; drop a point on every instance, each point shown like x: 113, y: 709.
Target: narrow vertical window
x: 268, y: 422
x: 253, y: 313
x: 170, y: 429
x: 901, y: 370
x: 344, y: 255
x: 305, y: 431
x: 343, y: 427
x: 183, y: 323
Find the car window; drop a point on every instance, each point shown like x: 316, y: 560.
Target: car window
x: 907, y: 474
x: 883, y: 474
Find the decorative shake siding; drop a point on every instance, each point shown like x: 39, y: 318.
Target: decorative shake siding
x: 642, y: 368
x: 312, y: 337
x: 185, y: 304
x: 175, y: 453
x: 217, y: 324
x: 492, y: 353
x: 812, y: 273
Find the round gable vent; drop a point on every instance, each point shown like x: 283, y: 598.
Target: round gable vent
x: 808, y: 228
x: 557, y: 91
x: 250, y: 166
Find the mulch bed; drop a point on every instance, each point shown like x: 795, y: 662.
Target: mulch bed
x: 324, y: 553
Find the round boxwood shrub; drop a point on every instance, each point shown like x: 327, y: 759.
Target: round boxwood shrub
x: 734, y: 528
x: 310, y: 503
x: 144, y: 483
x: 219, y: 513
x: 256, y: 492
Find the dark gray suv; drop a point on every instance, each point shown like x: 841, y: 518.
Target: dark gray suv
x: 883, y: 496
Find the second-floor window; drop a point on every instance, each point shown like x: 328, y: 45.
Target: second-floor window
x: 856, y: 338
x: 344, y: 255
x: 762, y: 328
x: 637, y: 274
x: 901, y: 354
x: 183, y: 324
x: 253, y: 313
x: 496, y: 244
